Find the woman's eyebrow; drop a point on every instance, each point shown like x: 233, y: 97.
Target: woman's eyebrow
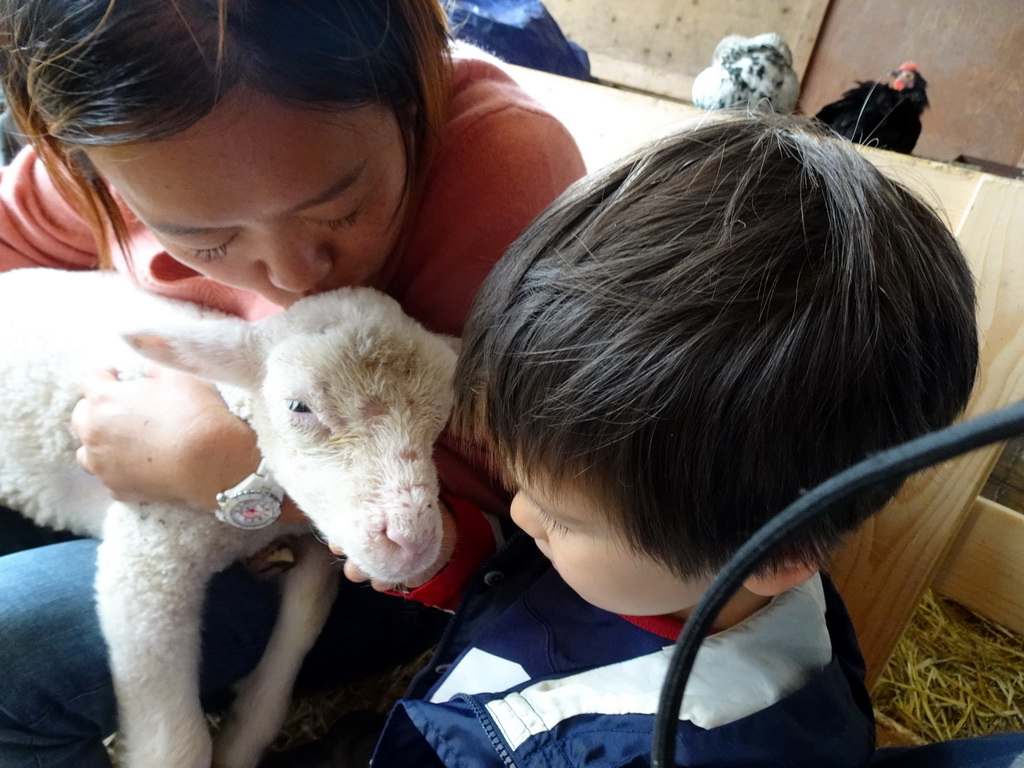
x: 336, y: 189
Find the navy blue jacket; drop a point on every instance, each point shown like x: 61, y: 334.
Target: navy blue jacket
x: 575, y: 686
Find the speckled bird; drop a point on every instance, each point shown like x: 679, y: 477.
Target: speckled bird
x: 749, y: 72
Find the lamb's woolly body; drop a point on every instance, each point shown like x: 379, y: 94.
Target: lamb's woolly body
x: 358, y: 463
x: 42, y: 394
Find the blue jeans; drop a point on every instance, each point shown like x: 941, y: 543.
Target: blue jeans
x: 56, y: 696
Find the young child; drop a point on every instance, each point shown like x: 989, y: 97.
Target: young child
x: 659, y: 364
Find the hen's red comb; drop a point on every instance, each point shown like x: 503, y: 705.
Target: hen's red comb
x: 908, y: 65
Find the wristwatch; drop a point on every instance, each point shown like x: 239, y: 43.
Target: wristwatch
x: 252, y: 504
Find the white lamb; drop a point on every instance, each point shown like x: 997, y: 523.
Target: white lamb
x: 347, y: 396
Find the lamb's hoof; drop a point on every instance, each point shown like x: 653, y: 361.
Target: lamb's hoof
x: 271, y: 561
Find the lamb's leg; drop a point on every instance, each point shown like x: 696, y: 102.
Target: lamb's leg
x: 152, y: 570
x: 307, y: 592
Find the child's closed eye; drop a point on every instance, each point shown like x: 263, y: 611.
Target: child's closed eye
x: 551, y: 525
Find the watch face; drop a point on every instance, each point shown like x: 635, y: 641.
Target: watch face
x: 254, y: 509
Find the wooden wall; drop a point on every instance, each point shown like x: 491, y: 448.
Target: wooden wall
x: 971, y: 53
x: 661, y: 45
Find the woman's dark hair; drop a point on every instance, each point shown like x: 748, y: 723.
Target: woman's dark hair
x: 81, y: 73
x: 696, y: 334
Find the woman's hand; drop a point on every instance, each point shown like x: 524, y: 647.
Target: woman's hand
x: 165, y: 437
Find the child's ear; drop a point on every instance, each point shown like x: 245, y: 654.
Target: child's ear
x: 775, y: 583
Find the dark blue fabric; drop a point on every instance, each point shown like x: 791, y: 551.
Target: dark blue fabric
x: 496, y: 585
x: 18, y: 533
x: 1004, y: 750
x: 520, y: 32
x: 510, y: 610
x: 543, y: 650
x: 405, y: 745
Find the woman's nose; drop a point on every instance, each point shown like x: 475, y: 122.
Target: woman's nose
x: 299, y: 267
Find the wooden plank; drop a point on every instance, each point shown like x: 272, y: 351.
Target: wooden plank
x: 642, y: 77
x: 660, y: 45
x: 606, y: 122
x: 985, y: 568
x: 949, y: 189
x: 888, y: 564
x: 807, y: 36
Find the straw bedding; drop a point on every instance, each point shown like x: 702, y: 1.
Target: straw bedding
x: 953, y: 674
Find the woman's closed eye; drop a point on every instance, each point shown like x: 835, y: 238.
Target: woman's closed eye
x: 345, y: 221
x: 209, y: 254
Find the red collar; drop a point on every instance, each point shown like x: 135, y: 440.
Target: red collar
x: 664, y: 626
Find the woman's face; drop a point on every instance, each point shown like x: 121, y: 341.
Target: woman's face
x: 271, y: 198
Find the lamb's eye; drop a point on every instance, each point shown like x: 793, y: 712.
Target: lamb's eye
x: 297, y: 406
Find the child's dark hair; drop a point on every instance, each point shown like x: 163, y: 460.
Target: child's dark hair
x: 701, y: 331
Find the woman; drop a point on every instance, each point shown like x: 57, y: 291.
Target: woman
x: 241, y: 154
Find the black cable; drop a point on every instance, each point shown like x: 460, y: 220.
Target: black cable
x: 884, y: 467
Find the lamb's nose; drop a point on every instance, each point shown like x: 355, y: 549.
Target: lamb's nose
x: 413, y: 548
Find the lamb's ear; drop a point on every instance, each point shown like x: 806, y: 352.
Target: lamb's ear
x: 220, y: 350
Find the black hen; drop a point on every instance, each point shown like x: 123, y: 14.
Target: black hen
x: 877, y: 114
